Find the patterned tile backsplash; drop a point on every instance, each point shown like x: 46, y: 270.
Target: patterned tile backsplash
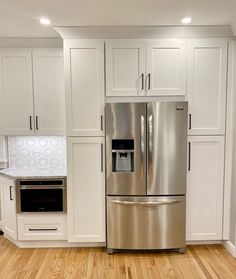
x: 37, y: 152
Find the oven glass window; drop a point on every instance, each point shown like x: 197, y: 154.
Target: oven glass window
x: 41, y: 200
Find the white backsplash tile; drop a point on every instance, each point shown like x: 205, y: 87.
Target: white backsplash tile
x: 37, y: 152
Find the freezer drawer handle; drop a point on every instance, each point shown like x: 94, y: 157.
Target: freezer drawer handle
x: 145, y: 203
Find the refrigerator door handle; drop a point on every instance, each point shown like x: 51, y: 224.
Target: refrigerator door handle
x: 142, y: 146
x: 130, y: 203
x: 150, y: 144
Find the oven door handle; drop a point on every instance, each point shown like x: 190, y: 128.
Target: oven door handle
x: 41, y: 187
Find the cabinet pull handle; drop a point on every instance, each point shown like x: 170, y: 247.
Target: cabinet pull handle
x: 11, y: 199
x: 189, y: 156
x: 37, y: 123
x: 101, y: 157
x: 35, y: 230
x: 142, y: 81
x: 190, y: 122
x: 149, y: 81
x: 30, y: 122
x: 101, y: 122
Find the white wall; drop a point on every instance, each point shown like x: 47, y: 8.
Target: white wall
x: 233, y: 193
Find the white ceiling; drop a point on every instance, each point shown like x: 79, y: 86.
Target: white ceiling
x: 19, y: 18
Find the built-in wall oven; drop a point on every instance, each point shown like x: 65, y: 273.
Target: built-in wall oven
x: 41, y: 195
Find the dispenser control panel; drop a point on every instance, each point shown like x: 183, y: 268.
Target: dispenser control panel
x: 122, y: 155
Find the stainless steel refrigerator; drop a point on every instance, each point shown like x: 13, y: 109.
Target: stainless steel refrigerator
x: 146, y: 163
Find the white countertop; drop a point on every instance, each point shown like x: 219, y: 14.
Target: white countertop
x: 34, y: 173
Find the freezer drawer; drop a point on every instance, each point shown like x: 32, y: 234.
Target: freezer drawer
x: 145, y: 222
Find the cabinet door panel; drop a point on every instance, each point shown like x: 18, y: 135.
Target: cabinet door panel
x: 8, y: 209
x: 86, y: 190
x: 207, y: 86
x: 49, y: 91
x: 166, y: 64
x: 84, y: 62
x: 16, y: 92
x: 205, y: 188
x: 125, y: 64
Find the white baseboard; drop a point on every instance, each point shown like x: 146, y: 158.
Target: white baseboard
x: 230, y: 248
x: 52, y: 244
x: 203, y: 242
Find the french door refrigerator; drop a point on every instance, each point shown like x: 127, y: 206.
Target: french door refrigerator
x: 146, y: 158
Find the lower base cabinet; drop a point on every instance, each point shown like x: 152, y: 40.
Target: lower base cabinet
x: 8, y: 208
x: 205, y: 188
x: 86, y: 189
x: 41, y: 227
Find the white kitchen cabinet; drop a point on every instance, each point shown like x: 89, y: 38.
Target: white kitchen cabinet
x: 41, y: 226
x: 86, y: 189
x: 205, y: 188
x: 166, y: 68
x: 207, y: 76
x: 125, y: 68
x: 32, y: 92
x: 49, y: 92
x: 8, y: 206
x: 84, y: 67
x: 146, y: 67
x: 16, y: 92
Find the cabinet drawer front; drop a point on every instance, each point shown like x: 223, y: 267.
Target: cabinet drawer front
x: 31, y: 229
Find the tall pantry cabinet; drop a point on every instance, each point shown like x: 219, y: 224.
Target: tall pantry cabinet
x: 207, y: 75
x: 84, y: 69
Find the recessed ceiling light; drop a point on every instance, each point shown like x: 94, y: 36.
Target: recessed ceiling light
x: 45, y: 21
x: 186, y: 20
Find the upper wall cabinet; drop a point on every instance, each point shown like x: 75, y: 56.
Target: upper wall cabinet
x: 207, y: 86
x: 49, y: 91
x: 166, y: 68
x: 16, y: 92
x: 84, y: 66
x: 125, y: 68
x: 32, y: 92
x: 151, y: 68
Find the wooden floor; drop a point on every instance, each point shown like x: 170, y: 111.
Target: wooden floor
x: 205, y: 261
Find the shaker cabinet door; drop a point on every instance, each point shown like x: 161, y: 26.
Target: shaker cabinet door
x: 84, y: 66
x: 205, y: 188
x: 16, y: 92
x: 125, y: 68
x: 8, y: 201
x: 86, y: 190
x: 166, y: 68
x: 49, y: 92
x: 207, y: 86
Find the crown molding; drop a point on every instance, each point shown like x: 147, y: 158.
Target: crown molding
x: 132, y: 32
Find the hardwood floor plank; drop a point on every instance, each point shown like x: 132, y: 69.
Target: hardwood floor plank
x: 199, y: 262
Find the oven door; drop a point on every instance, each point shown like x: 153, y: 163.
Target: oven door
x: 41, y: 199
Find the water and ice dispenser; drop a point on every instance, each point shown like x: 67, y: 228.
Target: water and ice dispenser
x: 122, y: 155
